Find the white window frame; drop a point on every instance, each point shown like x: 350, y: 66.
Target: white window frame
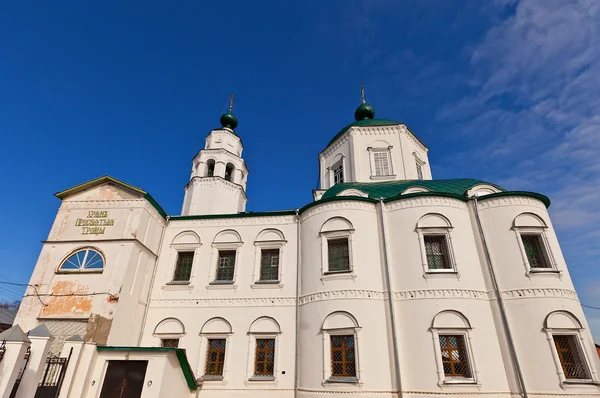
x: 333, y: 235
x: 581, y: 344
x: 327, y: 377
x: 216, y: 248
x: 173, y: 255
x: 201, y: 370
x: 268, y: 245
x: 334, y: 167
x: 251, y: 379
x: 419, y: 162
x: 447, y: 233
x: 467, y: 338
x: 388, y: 151
x: 541, y: 231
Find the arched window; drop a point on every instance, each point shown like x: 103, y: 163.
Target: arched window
x: 269, y: 245
x: 215, y: 333
x: 564, y: 332
x: 434, y: 232
x: 533, y: 242
x: 336, y: 248
x: 340, y: 343
x: 225, y: 252
x: 263, y: 333
x: 452, y: 339
x: 184, y: 248
x: 87, y: 259
x: 169, y: 331
x: 381, y: 160
x: 210, y: 167
x: 229, y: 171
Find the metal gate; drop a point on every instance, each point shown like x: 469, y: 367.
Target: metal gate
x: 54, y: 373
x: 20, y: 376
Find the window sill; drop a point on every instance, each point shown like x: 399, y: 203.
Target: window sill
x: 178, y: 283
x: 211, y: 378
x: 173, y: 286
x: 580, y: 382
x: 451, y: 273
x: 261, y: 381
x: 216, y: 285
x: 65, y: 272
x: 544, y: 271
x: 267, y: 285
x: 338, y: 275
x: 345, y: 380
x: 387, y: 177
x: 458, y: 382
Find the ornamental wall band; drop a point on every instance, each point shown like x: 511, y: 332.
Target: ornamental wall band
x: 95, y: 222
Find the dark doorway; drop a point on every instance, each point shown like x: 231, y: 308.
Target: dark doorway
x: 124, y: 379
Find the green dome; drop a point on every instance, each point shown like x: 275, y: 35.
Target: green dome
x: 364, y: 111
x: 229, y: 120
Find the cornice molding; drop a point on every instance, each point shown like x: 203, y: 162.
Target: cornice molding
x: 511, y: 201
x: 338, y: 205
x: 347, y: 294
x: 224, y: 302
x: 242, y: 221
x: 424, y: 201
x: 441, y: 293
x: 539, y: 292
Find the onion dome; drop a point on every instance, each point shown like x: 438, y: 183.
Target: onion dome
x: 364, y: 111
x: 229, y: 120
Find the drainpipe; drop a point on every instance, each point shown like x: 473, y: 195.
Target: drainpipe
x: 390, y: 298
x: 298, y: 258
x: 511, y: 342
x: 160, y: 243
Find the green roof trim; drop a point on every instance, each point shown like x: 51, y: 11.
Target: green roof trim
x: 181, y: 357
x: 543, y: 198
x: 236, y: 215
x: 389, y: 189
x: 363, y: 123
x: 108, y: 179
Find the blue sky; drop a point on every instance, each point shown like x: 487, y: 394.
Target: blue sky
x: 505, y: 91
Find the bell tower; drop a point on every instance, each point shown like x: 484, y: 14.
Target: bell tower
x: 219, y: 174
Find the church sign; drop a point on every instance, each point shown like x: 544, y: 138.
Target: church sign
x: 95, y: 222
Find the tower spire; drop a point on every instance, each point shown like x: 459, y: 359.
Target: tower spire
x: 362, y: 92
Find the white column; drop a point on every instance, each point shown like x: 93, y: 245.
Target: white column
x: 83, y: 371
x: 16, y: 346
x: 72, y: 350
x: 40, y: 345
x: 219, y: 169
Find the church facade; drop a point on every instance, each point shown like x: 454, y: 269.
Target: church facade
x: 389, y: 283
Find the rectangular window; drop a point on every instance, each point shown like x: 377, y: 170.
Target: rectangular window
x: 338, y: 255
x: 534, y: 249
x: 264, y: 361
x: 183, y: 268
x: 269, y: 265
x: 343, y: 356
x: 215, y: 357
x: 382, y: 164
x: 226, y: 265
x: 171, y: 343
x: 419, y: 171
x: 571, y: 357
x: 436, y: 250
x: 338, y: 173
x: 454, y: 356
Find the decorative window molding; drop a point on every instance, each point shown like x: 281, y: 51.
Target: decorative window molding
x: 337, y: 229
x: 445, y: 325
x: 214, y: 329
x: 167, y: 331
x: 568, y: 344
x: 225, y: 247
x: 83, y: 260
x: 353, y: 192
x: 269, y: 240
x: 263, y: 330
x: 530, y: 231
x: 415, y: 190
x: 434, y: 232
x: 340, y: 324
x: 482, y: 190
x: 337, y: 172
x: 380, y: 160
x: 184, y: 242
x: 419, y: 166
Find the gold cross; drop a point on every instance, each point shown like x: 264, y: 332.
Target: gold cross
x: 362, y: 92
x: 231, y: 101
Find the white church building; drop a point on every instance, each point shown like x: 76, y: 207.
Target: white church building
x: 389, y: 284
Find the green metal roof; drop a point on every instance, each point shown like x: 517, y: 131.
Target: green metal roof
x: 363, y: 123
x: 181, y: 357
x: 389, y: 189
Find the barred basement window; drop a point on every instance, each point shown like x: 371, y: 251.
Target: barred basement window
x: 534, y: 249
x: 269, y: 265
x: 226, y: 265
x: 338, y: 255
x: 419, y: 171
x: 171, y: 343
x: 215, y: 357
x: 454, y: 356
x: 571, y: 357
x: 343, y: 356
x: 183, y: 268
x: 264, y: 359
x: 382, y: 163
x: 338, y: 173
x: 436, y: 250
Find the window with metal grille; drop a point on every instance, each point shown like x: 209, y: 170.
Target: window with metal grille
x: 343, y: 356
x: 338, y: 255
x: 436, y: 250
x: 264, y: 361
x: 534, y: 249
x: 419, y: 171
x: 338, y: 173
x: 454, y: 356
x: 226, y: 265
x: 269, y: 265
x: 171, y: 343
x: 571, y: 357
x: 183, y: 268
x: 382, y: 163
x: 215, y: 357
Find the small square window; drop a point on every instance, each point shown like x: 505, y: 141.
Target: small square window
x: 183, y: 268
x: 436, y: 250
x: 571, y: 357
x: 226, y: 265
x: 171, y: 343
x: 264, y: 360
x: 215, y: 357
x: 343, y: 356
x: 382, y: 163
x: 419, y: 171
x: 534, y: 249
x: 269, y: 265
x: 338, y: 173
x: 338, y: 255
x: 454, y: 356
